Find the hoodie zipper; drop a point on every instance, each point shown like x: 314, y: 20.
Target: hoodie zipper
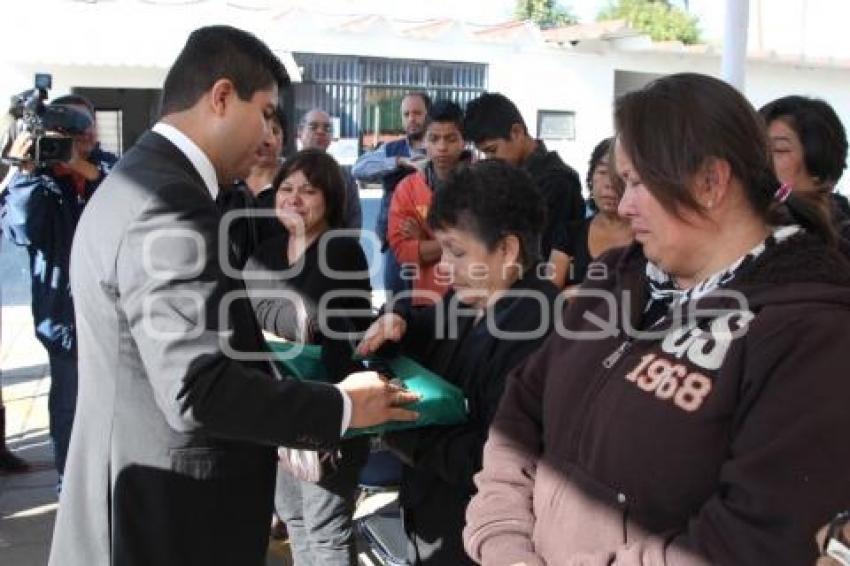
x: 615, y: 356
x: 609, y: 363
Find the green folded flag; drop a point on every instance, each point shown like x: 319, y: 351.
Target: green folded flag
x: 440, y: 403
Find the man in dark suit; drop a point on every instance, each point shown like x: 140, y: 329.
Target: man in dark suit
x: 172, y: 454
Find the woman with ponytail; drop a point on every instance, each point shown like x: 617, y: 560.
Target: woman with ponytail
x: 688, y: 408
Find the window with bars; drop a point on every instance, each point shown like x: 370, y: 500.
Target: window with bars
x: 110, y: 130
x: 365, y: 93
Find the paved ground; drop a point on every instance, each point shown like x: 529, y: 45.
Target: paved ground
x: 28, y: 501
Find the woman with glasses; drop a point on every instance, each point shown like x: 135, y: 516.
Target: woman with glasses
x: 316, y: 131
x: 579, y: 246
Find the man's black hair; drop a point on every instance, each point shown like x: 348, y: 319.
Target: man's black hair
x: 446, y: 111
x: 491, y: 116
x: 220, y: 52
x: 74, y: 100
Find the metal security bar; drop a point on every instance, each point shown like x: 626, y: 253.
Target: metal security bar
x: 365, y: 93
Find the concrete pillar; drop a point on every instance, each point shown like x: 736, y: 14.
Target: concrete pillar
x: 735, y: 43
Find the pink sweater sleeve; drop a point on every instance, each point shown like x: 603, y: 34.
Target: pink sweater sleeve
x: 500, y: 518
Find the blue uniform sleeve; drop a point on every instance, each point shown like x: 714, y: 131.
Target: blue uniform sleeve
x: 22, y: 207
x: 374, y: 165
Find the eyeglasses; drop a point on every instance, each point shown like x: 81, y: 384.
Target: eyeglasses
x: 316, y: 126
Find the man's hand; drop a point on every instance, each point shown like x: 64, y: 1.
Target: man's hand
x: 389, y: 326
x: 374, y: 400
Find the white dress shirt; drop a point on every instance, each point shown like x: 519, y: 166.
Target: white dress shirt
x: 193, y: 153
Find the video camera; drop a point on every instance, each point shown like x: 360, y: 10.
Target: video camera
x: 51, y: 127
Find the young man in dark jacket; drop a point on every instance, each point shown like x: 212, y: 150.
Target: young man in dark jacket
x: 493, y: 123
x: 42, y: 207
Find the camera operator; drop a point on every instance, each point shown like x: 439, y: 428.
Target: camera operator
x: 43, y: 203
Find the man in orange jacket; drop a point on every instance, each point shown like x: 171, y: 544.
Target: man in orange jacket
x: 410, y: 238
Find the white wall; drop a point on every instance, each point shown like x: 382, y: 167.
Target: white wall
x: 17, y: 77
x: 536, y: 77
x: 547, y: 80
x: 765, y: 81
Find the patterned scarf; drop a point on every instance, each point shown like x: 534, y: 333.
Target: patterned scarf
x: 663, y: 289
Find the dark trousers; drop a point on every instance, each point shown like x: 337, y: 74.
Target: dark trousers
x: 434, y: 514
x: 318, y: 516
x: 61, y: 403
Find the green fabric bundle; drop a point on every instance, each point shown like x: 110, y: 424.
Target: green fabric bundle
x: 440, y: 403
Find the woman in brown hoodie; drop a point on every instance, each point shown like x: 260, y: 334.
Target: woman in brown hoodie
x: 688, y: 409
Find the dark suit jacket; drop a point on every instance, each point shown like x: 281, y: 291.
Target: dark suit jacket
x: 246, y: 233
x: 171, y: 458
